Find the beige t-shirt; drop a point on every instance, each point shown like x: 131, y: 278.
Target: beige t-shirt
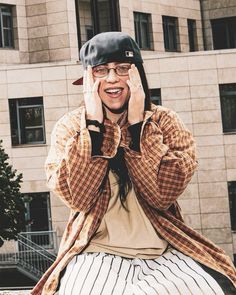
x: 126, y: 233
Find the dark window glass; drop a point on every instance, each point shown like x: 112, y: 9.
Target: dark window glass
x: 224, y: 33
x: 6, y: 27
x: 38, y: 216
x: 232, y: 203
x: 89, y: 32
x: 228, y: 107
x: 96, y: 16
x: 103, y: 16
x: 192, y: 35
x: 27, y: 121
x: 171, y: 31
x: 155, y: 95
x: 143, y: 31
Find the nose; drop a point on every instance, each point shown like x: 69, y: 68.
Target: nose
x: 112, y: 77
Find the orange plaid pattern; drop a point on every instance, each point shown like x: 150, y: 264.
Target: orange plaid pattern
x: 159, y: 173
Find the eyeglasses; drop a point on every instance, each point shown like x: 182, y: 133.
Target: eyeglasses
x: 103, y: 71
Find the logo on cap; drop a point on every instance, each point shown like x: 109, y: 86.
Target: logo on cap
x: 129, y: 54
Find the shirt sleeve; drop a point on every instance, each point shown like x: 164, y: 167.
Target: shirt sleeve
x: 166, y: 161
x: 72, y: 172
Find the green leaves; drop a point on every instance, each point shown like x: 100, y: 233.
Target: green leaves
x: 12, y: 209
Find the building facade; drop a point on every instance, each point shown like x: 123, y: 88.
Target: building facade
x: 190, y: 59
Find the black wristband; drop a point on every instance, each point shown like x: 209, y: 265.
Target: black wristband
x: 96, y: 139
x: 96, y: 124
x: 135, y: 132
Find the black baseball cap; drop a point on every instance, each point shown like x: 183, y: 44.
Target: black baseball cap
x: 109, y: 47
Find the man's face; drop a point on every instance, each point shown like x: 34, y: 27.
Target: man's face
x: 113, y: 89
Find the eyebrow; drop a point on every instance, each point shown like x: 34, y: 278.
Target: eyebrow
x: 116, y: 63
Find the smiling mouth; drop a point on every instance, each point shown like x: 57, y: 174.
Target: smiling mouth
x: 113, y: 91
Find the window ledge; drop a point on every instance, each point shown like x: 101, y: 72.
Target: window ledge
x: 9, y: 48
x: 29, y: 145
x: 230, y: 133
x: 147, y: 49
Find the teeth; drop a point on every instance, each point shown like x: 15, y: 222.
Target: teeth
x: 113, y: 90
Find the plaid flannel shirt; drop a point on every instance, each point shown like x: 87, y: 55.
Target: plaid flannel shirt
x: 159, y: 173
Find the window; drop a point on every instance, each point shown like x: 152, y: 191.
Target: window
x: 27, y: 121
x: 143, y: 30
x: 228, y: 107
x: 6, y: 27
x: 155, y: 95
x: 224, y: 33
x: 232, y: 203
x: 96, y: 16
x: 192, y: 35
x: 38, y: 217
x: 171, y: 33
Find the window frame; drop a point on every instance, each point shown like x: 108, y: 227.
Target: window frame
x: 155, y: 93
x: 114, y: 13
x: 8, y: 29
x: 47, y: 239
x: 27, y: 206
x: 141, y: 18
x: 224, y: 116
x: 167, y: 22
x: 18, y: 120
x: 232, y: 203
x: 226, y: 24
x: 192, y: 35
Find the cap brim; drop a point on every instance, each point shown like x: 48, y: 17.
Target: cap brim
x: 78, y: 82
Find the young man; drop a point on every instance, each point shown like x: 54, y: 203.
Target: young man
x: 120, y: 163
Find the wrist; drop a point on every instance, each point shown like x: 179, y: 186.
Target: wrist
x: 95, y: 125
x: 93, y: 128
x: 135, y: 119
x: 92, y: 118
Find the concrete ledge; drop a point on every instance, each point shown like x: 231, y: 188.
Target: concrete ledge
x: 15, y: 292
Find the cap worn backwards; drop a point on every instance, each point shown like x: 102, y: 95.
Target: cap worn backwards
x: 110, y: 47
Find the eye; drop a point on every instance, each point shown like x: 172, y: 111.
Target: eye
x: 123, y: 69
x: 100, y: 71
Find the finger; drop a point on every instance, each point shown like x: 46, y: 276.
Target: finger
x: 96, y: 86
x: 134, y: 75
x: 85, y: 82
x: 90, y: 78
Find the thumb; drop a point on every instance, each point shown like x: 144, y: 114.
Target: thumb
x: 96, y: 86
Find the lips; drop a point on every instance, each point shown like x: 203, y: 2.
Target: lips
x: 113, y: 91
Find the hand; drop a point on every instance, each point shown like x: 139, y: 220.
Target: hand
x: 137, y: 96
x: 93, y: 103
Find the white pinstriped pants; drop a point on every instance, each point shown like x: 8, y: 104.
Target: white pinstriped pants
x: 173, y: 273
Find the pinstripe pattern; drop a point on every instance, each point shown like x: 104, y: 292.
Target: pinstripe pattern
x: 102, y: 274
x: 159, y: 173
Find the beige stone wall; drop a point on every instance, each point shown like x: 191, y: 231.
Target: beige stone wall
x: 189, y: 85
x: 52, y: 30
x: 213, y: 9
x: 36, y: 12
x: 19, y: 292
x: 45, y: 31
x: 20, y: 52
x: 183, y: 10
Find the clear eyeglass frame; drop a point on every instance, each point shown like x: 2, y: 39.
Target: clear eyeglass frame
x: 103, y: 71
